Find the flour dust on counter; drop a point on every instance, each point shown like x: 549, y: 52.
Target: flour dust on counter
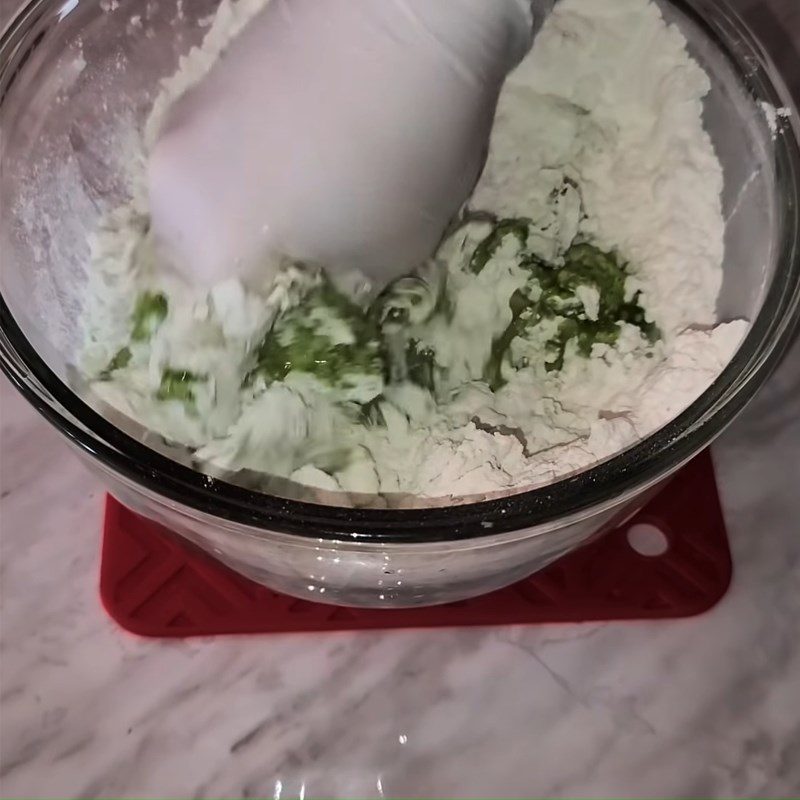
x: 568, y: 313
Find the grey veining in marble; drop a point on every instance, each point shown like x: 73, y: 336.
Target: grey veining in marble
x: 702, y: 707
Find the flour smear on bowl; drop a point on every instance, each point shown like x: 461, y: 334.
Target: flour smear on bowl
x: 567, y: 315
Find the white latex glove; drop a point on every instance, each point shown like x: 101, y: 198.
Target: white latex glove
x: 346, y: 133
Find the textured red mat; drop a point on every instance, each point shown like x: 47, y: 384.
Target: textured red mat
x: 153, y: 585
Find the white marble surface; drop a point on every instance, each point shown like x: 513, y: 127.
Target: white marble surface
x: 704, y: 707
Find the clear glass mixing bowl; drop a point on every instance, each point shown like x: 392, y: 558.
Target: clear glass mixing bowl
x: 76, y: 76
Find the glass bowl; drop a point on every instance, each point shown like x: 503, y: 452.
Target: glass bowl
x: 76, y: 74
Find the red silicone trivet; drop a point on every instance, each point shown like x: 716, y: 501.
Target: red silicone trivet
x: 154, y: 585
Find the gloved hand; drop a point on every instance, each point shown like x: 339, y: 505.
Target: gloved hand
x: 346, y: 133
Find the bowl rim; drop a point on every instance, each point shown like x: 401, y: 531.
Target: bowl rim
x: 605, y: 484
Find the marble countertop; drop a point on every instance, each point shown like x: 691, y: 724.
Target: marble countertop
x: 702, y: 707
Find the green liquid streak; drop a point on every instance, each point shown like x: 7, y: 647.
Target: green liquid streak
x: 149, y: 312
x: 295, y: 345
x: 178, y: 385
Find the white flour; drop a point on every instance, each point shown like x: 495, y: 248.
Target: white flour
x: 608, y: 100
x: 775, y: 117
x: 624, y: 118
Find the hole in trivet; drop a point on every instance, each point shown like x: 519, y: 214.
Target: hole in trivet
x: 648, y: 540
